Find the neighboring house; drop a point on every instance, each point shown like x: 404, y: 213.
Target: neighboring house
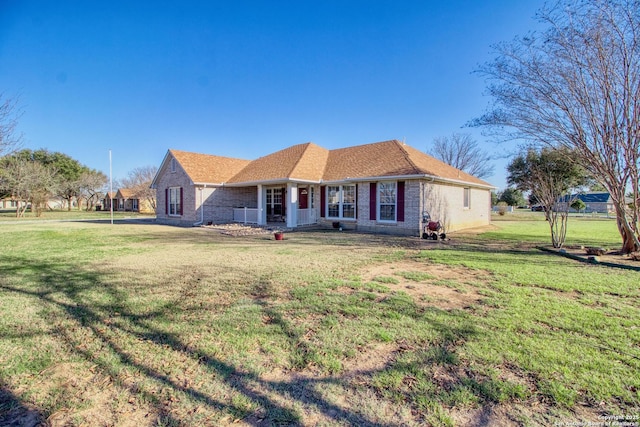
x: 109, y: 200
x: 595, y: 201
x: 383, y: 187
x: 9, y: 203
x: 125, y: 200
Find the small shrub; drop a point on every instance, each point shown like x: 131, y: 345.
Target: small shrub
x: 502, y: 208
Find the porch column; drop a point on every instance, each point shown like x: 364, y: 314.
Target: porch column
x: 292, y: 205
x: 262, y: 219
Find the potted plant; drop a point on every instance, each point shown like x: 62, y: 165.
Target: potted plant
x: 279, y: 235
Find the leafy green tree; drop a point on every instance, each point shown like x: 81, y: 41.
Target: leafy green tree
x: 512, y: 197
x: 494, y: 198
x: 578, y: 205
x: 67, y: 170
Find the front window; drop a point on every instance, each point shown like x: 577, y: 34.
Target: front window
x: 333, y: 200
x: 348, y: 201
x: 134, y: 204
x: 387, y: 201
x: 311, y: 197
x: 341, y: 201
x: 174, y: 201
x: 467, y: 198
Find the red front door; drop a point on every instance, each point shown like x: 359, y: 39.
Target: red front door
x: 303, y: 198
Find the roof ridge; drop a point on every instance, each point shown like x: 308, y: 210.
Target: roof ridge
x: 407, y: 156
x: 172, y: 150
x: 297, y: 163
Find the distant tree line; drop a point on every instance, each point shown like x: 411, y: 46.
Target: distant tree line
x: 33, y: 178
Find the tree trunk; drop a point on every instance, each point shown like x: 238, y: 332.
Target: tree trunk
x: 630, y: 242
x: 629, y: 239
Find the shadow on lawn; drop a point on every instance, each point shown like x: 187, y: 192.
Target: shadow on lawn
x: 66, y: 293
x: 14, y: 413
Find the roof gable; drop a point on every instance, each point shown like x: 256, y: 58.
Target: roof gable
x: 125, y: 193
x: 206, y: 168
x: 303, y: 162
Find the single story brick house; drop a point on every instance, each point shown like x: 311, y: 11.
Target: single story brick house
x: 386, y: 187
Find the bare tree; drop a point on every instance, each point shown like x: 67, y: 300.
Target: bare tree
x: 9, y: 114
x: 549, y: 175
x: 461, y: 151
x: 139, y: 182
x: 91, y: 185
x: 577, y: 85
x: 28, y: 182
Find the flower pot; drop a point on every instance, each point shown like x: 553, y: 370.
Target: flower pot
x: 278, y: 235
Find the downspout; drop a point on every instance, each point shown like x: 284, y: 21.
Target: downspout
x: 424, y: 205
x: 201, y: 209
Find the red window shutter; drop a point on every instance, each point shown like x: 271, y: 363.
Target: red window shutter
x: 323, y: 201
x: 400, y: 201
x: 166, y: 201
x: 355, y: 208
x: 181, y: 199
x: 373, y: 191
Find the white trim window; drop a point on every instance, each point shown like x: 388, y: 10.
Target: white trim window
x: 387, y: 201
x: 466, y: 198
x: 134, y: 205
x: 174, y: 201
x: 312, y: 202
x: 173, y: 165
x: 341, y: 201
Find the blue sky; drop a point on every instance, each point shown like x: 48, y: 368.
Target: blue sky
x: 247, y: 78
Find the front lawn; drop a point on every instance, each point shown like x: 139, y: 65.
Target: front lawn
x: 152, y: 325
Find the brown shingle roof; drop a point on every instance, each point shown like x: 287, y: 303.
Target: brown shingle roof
x: 205, y: 168
x: 303, y: 162
x: 389, y: 158
x: 310, y: 162
x: 126, y: 193
x: 432, y: 166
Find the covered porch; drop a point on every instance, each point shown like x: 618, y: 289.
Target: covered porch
x: 292, y: 204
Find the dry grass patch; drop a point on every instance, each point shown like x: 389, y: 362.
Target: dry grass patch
x: 437, y: 285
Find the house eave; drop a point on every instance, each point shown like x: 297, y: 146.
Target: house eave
x: 465, y: 183
x: 207, y: 184
x: 270, y: 182
x: 157, y: 175
x: 432, y: 178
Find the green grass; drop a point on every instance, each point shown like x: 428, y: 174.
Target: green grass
x: 172, y: 326
x: 64, y: 214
